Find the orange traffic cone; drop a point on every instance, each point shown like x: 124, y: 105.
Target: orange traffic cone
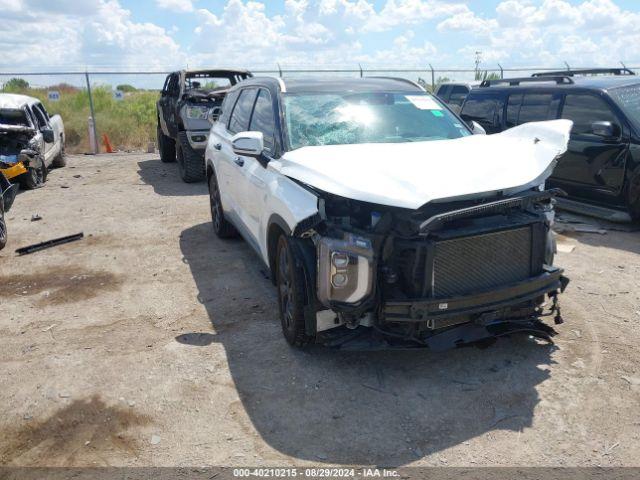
x: 107, y: 143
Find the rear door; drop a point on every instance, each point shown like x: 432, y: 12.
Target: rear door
x: 592, y: 165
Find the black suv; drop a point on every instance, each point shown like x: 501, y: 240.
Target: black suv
x: 602, y: 165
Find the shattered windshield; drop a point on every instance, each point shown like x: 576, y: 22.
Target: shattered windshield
x: 13, y: 117
x: 336, y: 119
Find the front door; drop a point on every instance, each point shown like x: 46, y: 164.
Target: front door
x: 593, y: 166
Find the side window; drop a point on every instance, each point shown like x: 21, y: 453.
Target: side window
x: 443, y: 92
x: 242, y: 112
x: 481, y: 110
x: 263, y: 119
x: 165, y: 87
x: 513, y: 110
x: 458, y: 94
x: 227, y: 106
x: 535, y: 107
x: 583, y: 110
x: 174, y: 85
x: 40, y: 107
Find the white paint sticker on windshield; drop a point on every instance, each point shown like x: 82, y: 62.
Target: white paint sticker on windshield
x: 423, y: 102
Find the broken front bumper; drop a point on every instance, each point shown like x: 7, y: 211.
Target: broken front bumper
x: 12, y: 171
x: 445, y: 312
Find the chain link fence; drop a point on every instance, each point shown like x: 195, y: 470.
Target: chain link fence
x: 118, y: 107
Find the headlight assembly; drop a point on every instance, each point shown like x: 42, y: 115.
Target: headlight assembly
x: 345, y: 270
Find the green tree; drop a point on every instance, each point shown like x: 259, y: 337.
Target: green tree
x: 126, y: 88
x: 16, y: 84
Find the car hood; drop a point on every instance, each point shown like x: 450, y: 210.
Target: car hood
x: 410, y: 175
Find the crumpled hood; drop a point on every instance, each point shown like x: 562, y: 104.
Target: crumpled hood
x: 410, y: 175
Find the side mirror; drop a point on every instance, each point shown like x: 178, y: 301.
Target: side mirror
x: 248, y: 144
x: 605, y: 129
x: 214, y: 115
x: 48, y: 135
x: 476, y: 128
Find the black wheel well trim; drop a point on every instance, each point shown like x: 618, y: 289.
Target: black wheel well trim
x: 276, y: 227
x: 305, y: 259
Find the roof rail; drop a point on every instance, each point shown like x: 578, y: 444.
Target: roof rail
x: 586, y: 71
x: 559, y: 79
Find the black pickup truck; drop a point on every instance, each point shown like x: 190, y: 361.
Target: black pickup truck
x: 190, y: 101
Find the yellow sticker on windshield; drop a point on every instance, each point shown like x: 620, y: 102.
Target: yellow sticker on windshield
x: 423, y: 102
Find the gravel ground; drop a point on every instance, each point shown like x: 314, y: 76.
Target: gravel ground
x: 152, y: 343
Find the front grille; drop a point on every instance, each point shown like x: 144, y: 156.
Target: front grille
x: 481, y: 262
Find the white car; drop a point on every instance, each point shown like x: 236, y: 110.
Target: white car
x: 30, y: 140
x: 385, y: 223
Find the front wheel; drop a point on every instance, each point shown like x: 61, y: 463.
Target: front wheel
x: 633, y: 197
x: 34, y: 177
x: 3, y: 229
x: 190, y: 162
x: 291, y: 295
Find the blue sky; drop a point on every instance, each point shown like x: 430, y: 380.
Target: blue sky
x: 168, y: 34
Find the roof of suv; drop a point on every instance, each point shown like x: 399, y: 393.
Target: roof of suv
x: 339, y: 85
x: 589, y: 82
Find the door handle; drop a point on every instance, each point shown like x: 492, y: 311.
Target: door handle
x: 239, y: 161
x: 218, y: 146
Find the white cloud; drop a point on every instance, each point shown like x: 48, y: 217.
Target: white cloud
x: 181, y: 6
x: 81, y: 33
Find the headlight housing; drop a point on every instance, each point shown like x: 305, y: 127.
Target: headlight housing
x: 197, y: 112
x: 345, y: 270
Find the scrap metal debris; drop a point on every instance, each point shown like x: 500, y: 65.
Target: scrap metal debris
x: 49, y: 244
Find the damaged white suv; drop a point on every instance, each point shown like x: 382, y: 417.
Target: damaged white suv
x: 385, y: 223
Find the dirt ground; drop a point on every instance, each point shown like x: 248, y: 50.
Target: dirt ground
x: 152, y: 343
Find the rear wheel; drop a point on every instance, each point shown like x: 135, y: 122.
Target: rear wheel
x: 61, y: 159
x: 291, y: 295
x: 221, y: 227
x: 190, y: 162
x: 166, y: 146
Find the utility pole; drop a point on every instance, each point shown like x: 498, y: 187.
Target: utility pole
x: 478, y: 62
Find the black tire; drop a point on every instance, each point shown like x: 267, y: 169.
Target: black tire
x: 35, y: 177
x: 3, y: 229
x: 221, y: 226
x: 61, y: 159
x: 167, y: 147
x: 190, y: 162
x: 291, y: 295
x: 633, y: 197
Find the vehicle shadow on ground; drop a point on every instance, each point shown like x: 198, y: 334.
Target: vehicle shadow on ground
x: 165, y: 179
x: 373, y: 408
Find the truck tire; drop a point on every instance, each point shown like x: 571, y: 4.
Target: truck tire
x: 61, y: 159
x: 35, y: 177
x: 3, y: 229
x: 291, y: 295
x: 167, y: 147
x: 221, y: 226
x: 190, y: 162
x: 633, y: 197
